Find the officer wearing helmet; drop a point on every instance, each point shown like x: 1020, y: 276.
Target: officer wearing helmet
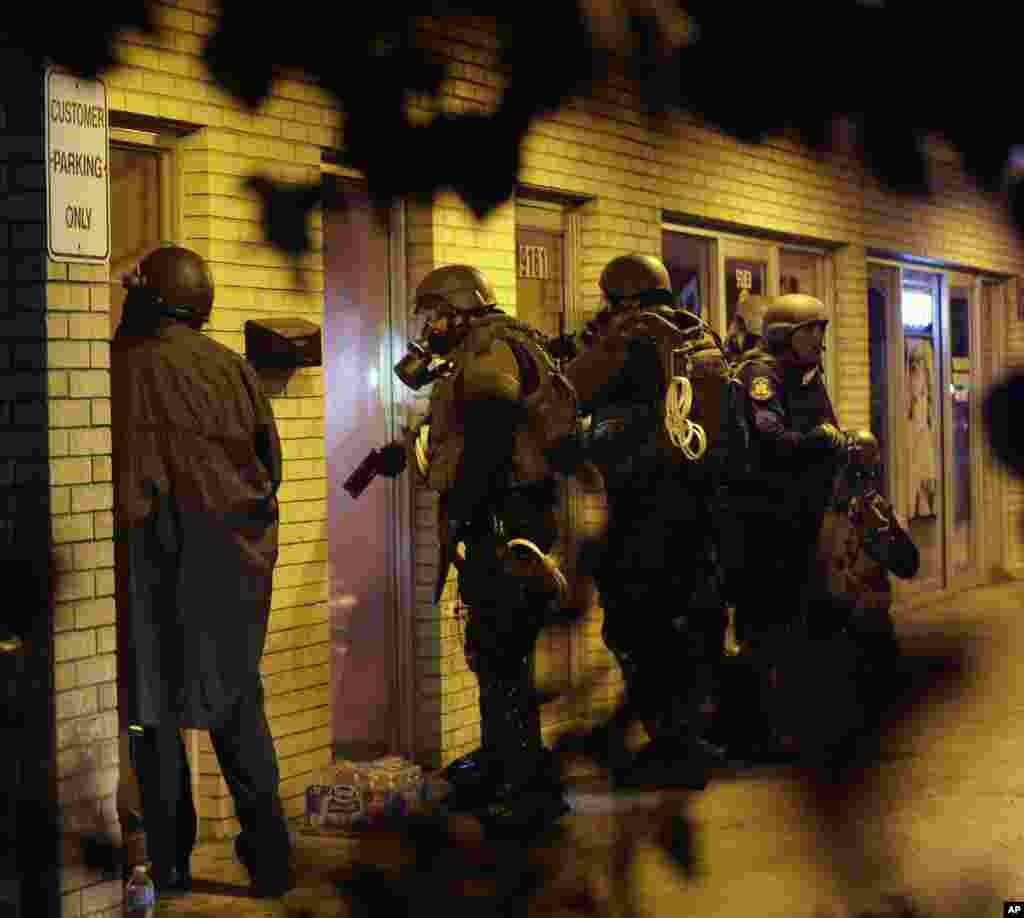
x: 495, y: 404
x: 747, y: 324
x: 655, y: 573
x: 196, y: 469
x: 862, y: 542
x: 783, y: 476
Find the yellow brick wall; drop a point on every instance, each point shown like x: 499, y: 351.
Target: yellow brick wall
x: 54, y: 460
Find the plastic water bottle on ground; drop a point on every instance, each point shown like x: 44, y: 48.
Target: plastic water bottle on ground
x: 140, y: 895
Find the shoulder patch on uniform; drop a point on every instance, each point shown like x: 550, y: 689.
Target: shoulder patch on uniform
x: 761, y: 389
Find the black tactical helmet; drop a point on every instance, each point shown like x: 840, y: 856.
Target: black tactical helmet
x: 636, y: 275
x: 788, y: 313
x: 751, y: 309
x: 459, y: 287
x: 179, y: 281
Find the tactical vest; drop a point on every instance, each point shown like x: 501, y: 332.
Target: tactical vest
x: 548, y: 397
x: 687, y: 348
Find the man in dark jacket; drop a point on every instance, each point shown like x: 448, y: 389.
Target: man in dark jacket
x: 197, y: 464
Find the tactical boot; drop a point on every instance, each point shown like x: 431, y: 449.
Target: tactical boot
x: 530, y: 796
x: 171, y: 882
x: 269, y: 880
x: 473, y: 781
x: 467, y: 769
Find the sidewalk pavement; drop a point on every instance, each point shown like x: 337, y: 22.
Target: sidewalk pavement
x: 947, y: 820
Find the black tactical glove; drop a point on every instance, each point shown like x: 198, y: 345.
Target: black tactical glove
x: 862, y: 448
x: 825, y: 439
x: 392, y: 460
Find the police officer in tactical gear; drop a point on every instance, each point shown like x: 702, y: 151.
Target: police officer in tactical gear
x: 197, y: 464
x: 656, y: 575
x: 491, y: 415
x: 782, y: 480
x: 862, y: 542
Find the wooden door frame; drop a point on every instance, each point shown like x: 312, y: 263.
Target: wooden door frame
x: 566, y: 208
x: 712, y: 295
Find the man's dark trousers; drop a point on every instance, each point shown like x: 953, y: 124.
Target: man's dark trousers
x: 245, y: 752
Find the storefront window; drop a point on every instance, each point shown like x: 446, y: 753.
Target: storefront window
x: 922, y: 419
x: 743, y: 275
x: 688, y: 259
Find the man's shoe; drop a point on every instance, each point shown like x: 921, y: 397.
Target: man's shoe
x: 470, y: 768
x: 171, y: 882
x: 268, y: 881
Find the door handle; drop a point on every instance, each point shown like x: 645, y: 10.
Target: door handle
x: 13, y: 645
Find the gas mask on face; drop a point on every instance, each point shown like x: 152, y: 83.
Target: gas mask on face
x: 418, y: 368
x: 441, y: 342
x: 421, y: 366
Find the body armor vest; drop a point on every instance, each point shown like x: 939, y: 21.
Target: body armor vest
x: 548, y: 397
x: 685, y: 348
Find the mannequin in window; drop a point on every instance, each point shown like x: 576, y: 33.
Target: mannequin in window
x: 923, y: 467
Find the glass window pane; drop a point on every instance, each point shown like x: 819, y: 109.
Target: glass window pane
x: 688, y: 259
x: 743, y: 274
x: 922, y: 491
x: 798, y: 272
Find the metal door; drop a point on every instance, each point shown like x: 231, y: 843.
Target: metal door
x: 359, y: 353
x: 541, y: 302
